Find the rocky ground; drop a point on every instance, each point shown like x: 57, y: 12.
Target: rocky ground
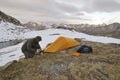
x: 102, y: 64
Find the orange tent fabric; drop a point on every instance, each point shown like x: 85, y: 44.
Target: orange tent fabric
x: 61, y: 43
x: 76, y: 54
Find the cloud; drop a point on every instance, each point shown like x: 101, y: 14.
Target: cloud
x: 58, y: 10
x: 93, y: 5
x: 106, y: 5
x: 67, y: 7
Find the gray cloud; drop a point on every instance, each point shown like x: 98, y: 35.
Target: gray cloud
x: 67, y: 7
x: 57, y: 9
x: 97, y: 5
x: 106, y: 5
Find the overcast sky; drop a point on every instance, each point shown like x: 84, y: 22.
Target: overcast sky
x: 69, y: 11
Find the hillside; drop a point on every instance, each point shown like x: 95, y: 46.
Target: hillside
x: 101, y: 64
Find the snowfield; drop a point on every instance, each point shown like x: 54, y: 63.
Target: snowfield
x: 10, y: 32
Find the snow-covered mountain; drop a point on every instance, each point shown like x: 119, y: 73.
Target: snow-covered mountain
x: 11, y: 32
x: 110, y: 30
x: 35, y: 26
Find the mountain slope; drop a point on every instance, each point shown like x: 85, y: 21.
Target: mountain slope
x: 101, y: 64
x: 7, y: 18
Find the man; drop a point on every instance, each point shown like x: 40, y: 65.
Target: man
x: 31, y: 47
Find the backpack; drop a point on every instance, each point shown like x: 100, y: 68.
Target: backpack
x: 84, y: 49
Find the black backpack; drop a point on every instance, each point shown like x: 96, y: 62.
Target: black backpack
x: 84, y: 49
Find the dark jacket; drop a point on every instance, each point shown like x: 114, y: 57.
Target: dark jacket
x: 31, y: 45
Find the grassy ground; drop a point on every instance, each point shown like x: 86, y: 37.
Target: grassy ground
x: 102, y: 64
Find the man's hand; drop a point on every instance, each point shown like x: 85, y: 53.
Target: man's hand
x: 37, y: 51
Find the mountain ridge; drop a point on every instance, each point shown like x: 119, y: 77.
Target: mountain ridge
x: 6, y: 18
x: 110, y: 30
x: 34, y: 26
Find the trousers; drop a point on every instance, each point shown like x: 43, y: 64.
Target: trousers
x: 28, y: 54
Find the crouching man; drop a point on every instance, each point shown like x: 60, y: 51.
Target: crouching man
x: 32, y: 47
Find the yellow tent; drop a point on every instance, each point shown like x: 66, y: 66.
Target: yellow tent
x: 61, y: 43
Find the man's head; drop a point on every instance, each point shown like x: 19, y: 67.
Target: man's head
x: 38, y: 38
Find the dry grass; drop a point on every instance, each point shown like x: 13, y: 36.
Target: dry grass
x: 101, y: 64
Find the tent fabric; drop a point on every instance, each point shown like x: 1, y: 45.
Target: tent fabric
x: 76, y: 54
x: 61, y: 43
